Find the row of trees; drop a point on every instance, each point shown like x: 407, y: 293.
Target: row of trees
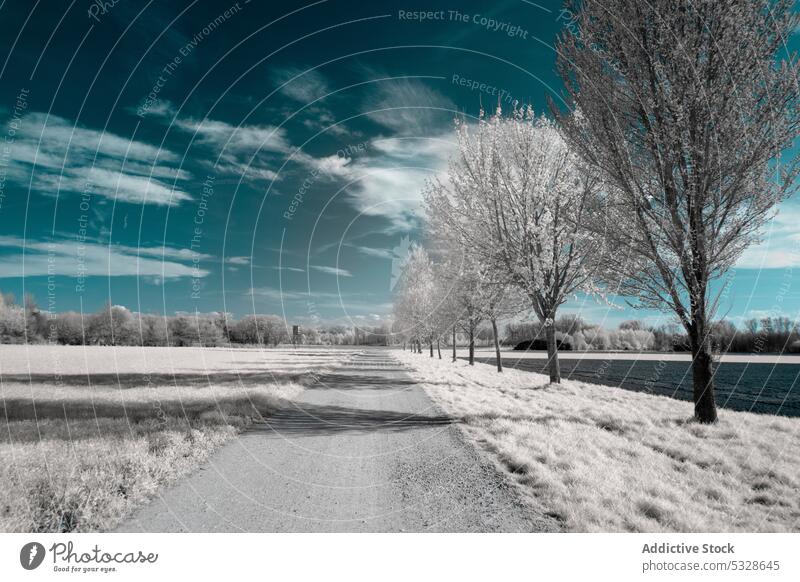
x: 116, y: 325
x: 667, y: 160
x: 764, y: 335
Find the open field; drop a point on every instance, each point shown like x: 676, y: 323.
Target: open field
x: 603, y: 459
x: 88, y: 433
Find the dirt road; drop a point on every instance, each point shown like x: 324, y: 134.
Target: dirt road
x: 364, y: 449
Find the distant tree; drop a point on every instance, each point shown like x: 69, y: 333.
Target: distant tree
x: 12, y: 320
x: 687, y: 110
x: 222, y: 321
x: 182, y: 330
x: 723, y: 334
x: 259, y: 329
x: 245, y: 331
x: 205, y: 331
x: 151, y: 330
x: 69, y: 328
x: 415, y: 299
x: 36, y: 327
x: 570, y: 323
x: 468, y: 296
x: 109, y: 326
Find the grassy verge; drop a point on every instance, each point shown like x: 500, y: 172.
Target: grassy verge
x: 602, y: 459
x: 81, y: 459
x: 55, y: 481
x: 79, y: 450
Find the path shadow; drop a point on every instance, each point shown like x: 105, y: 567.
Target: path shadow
x: 315, y: 420
x: 339, y: 380
x: 137, y: 380
x: 210, y: 407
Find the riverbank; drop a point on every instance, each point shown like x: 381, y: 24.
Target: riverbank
x: 598, y: 458
x: 648, y: 356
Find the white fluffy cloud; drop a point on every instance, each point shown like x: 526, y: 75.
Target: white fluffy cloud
x: 388, y: 180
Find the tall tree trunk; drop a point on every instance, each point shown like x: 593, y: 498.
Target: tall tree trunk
x: 705, y: 407
x: 497, y: 346
x: 431, y: 343
x: 439, y: 348
x: 552, y: 354
x: 471, y: 346
x: 454, y: 343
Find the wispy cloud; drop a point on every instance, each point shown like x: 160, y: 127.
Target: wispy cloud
x: 238, y: 260
x: 780, y: 247
x: 306, y: 87
x: 73, y: 259
x: 331, y: 270
x: 275, y: 294
x: 409, y: 107
x: 236, y: 139
x: 374, y: 252
x: 301, y: 86
x: 242, y: 150
x: 358, y: 302
x: 71, y: 158
x: 292, y: 269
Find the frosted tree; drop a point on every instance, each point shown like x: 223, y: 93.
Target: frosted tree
x: 516, y: 195
x: 474, y: 290
x: 467, y: 299
x: 504, y: 300
x: 687, y: 109
x: 415, y: 301
x: 447, y: 313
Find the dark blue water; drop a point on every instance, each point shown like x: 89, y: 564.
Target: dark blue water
x: 762, y: 388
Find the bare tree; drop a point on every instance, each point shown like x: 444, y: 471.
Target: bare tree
x: 686, y: 109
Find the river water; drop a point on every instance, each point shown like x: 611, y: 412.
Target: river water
x: 753, y: 387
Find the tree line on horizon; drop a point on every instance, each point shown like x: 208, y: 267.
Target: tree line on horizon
x: 757, y: 335
x: 115, y: 325
x: 666, y: 154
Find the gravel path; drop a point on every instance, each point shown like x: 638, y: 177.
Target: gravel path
x: 364, y: 449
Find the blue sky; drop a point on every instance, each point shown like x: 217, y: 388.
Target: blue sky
x: 262, y: 157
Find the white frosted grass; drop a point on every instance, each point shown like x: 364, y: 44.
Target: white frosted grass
x: 599, y: 458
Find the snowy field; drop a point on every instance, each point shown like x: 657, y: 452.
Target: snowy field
x: 603, y: 459
x: 88, y: 433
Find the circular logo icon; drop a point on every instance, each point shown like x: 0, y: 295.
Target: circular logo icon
x: 31, y: 555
